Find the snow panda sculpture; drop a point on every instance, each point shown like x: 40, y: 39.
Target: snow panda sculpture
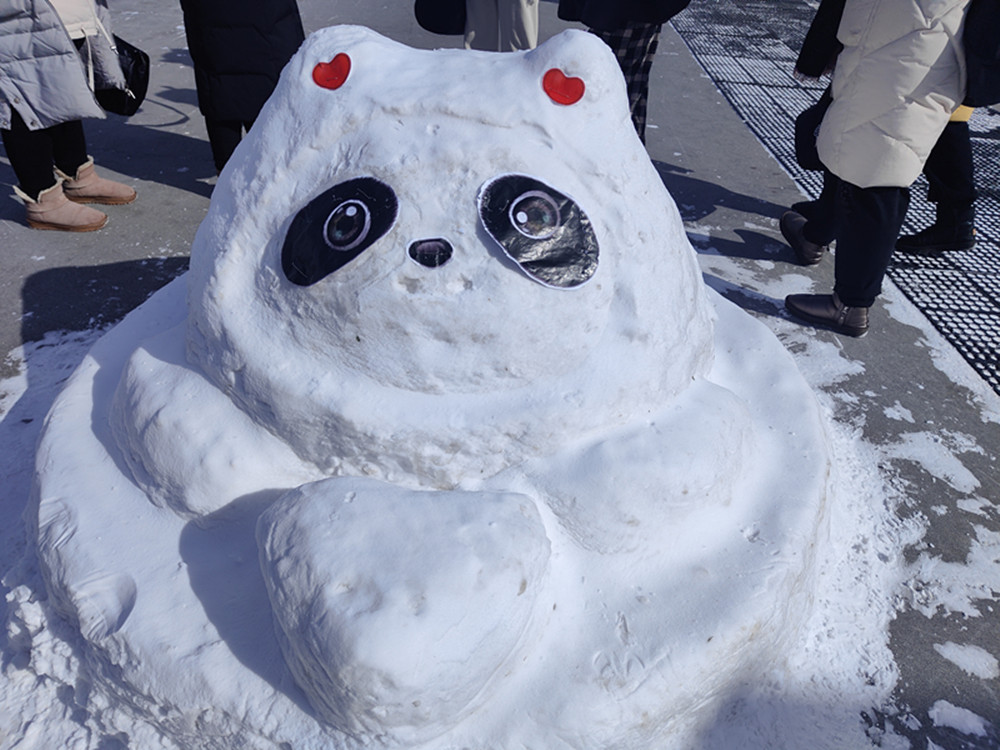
x: 441, y: 442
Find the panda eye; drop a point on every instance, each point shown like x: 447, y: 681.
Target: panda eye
x: 535, y: 214
x: 335, y: 227
x: 347, y: 226
x: 543, y: 231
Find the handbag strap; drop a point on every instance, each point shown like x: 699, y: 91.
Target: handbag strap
x: 89, y: 59
x: 100, y: 26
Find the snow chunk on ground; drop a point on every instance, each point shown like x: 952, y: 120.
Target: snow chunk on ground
x: 975, y: 660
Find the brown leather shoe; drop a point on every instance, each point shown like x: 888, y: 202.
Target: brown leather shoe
x: 828, y: 311
x: 52, y: 210
x: 808, y: 253
x: 86, y: 187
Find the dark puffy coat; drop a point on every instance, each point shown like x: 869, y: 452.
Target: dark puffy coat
x: 981, y: 40
x: 239, y: 48
x: 821, y: 47
x: 607, y: 15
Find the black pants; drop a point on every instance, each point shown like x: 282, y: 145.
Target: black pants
x: 33, y: 153
x: 865, y: 223
x: 635, y: 46
x: 224, y: 136
x: 949, y: 169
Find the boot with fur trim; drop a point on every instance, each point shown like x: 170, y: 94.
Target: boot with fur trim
x: 87, y: 187
x: 52, y: 210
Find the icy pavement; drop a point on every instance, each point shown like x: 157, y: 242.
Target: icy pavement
x: 921, y: 392
x: 749, y: 50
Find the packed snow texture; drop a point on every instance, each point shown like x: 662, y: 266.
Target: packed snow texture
x: 379, y: 469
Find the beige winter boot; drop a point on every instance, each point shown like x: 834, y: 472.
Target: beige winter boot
x: 53, y: 210
x: 87, y: 187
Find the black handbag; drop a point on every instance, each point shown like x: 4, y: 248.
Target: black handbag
x: 135, y: 67
x: 806, y: 129
x: 441, y: 16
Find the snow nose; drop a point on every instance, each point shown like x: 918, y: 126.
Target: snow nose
x: 431, y: 253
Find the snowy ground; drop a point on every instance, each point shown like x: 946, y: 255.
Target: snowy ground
x: 899, y: 470
x: 820, y: 695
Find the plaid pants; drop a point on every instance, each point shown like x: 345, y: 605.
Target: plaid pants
x: 634, y: 45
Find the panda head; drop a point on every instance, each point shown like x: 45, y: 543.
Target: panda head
x: 444, y: 222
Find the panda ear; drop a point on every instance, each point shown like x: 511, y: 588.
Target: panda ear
x: 333, y: 74
x: 574, y: 69
x: 561, y: 88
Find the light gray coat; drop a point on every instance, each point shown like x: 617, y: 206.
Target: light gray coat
x: 42, y: 75
x: 899, y: 78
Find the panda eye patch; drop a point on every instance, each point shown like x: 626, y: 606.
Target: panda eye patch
x: 335, y: 227
x: 542, y: 230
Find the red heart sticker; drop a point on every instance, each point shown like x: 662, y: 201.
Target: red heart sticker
x: 562, y: 89
x: 332, y: 75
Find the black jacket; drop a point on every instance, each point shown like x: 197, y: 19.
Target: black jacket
x: 239, y: 48
x: 820, y: 47
x: 608, y: 15
x: 981, y: 40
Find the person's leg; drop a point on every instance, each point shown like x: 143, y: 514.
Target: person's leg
x: 868, y: 223
x: 821, y: 227
x: 81, y: 183
x: 948, y: 169
x: 810, y: 227
x: 223, y: 136
x: 69, y: 146
x: 30, y: 154
x: 481, y: 25
x: 951, y: 186
x: 634, y: 46
x: 518, y: 24
x: 46, y: 206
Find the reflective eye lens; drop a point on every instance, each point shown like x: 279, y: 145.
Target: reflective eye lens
x: 535, y: 214
x: 347, y: 226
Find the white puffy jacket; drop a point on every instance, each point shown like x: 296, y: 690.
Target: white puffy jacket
x: 899, y: 78
x: 42, y: 75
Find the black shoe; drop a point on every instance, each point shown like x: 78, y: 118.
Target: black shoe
x: 808, y: 253
x: 939, y: 237
x: 828, y: 311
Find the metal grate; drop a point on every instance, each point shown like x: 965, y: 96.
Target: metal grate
x: 749, y: 49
